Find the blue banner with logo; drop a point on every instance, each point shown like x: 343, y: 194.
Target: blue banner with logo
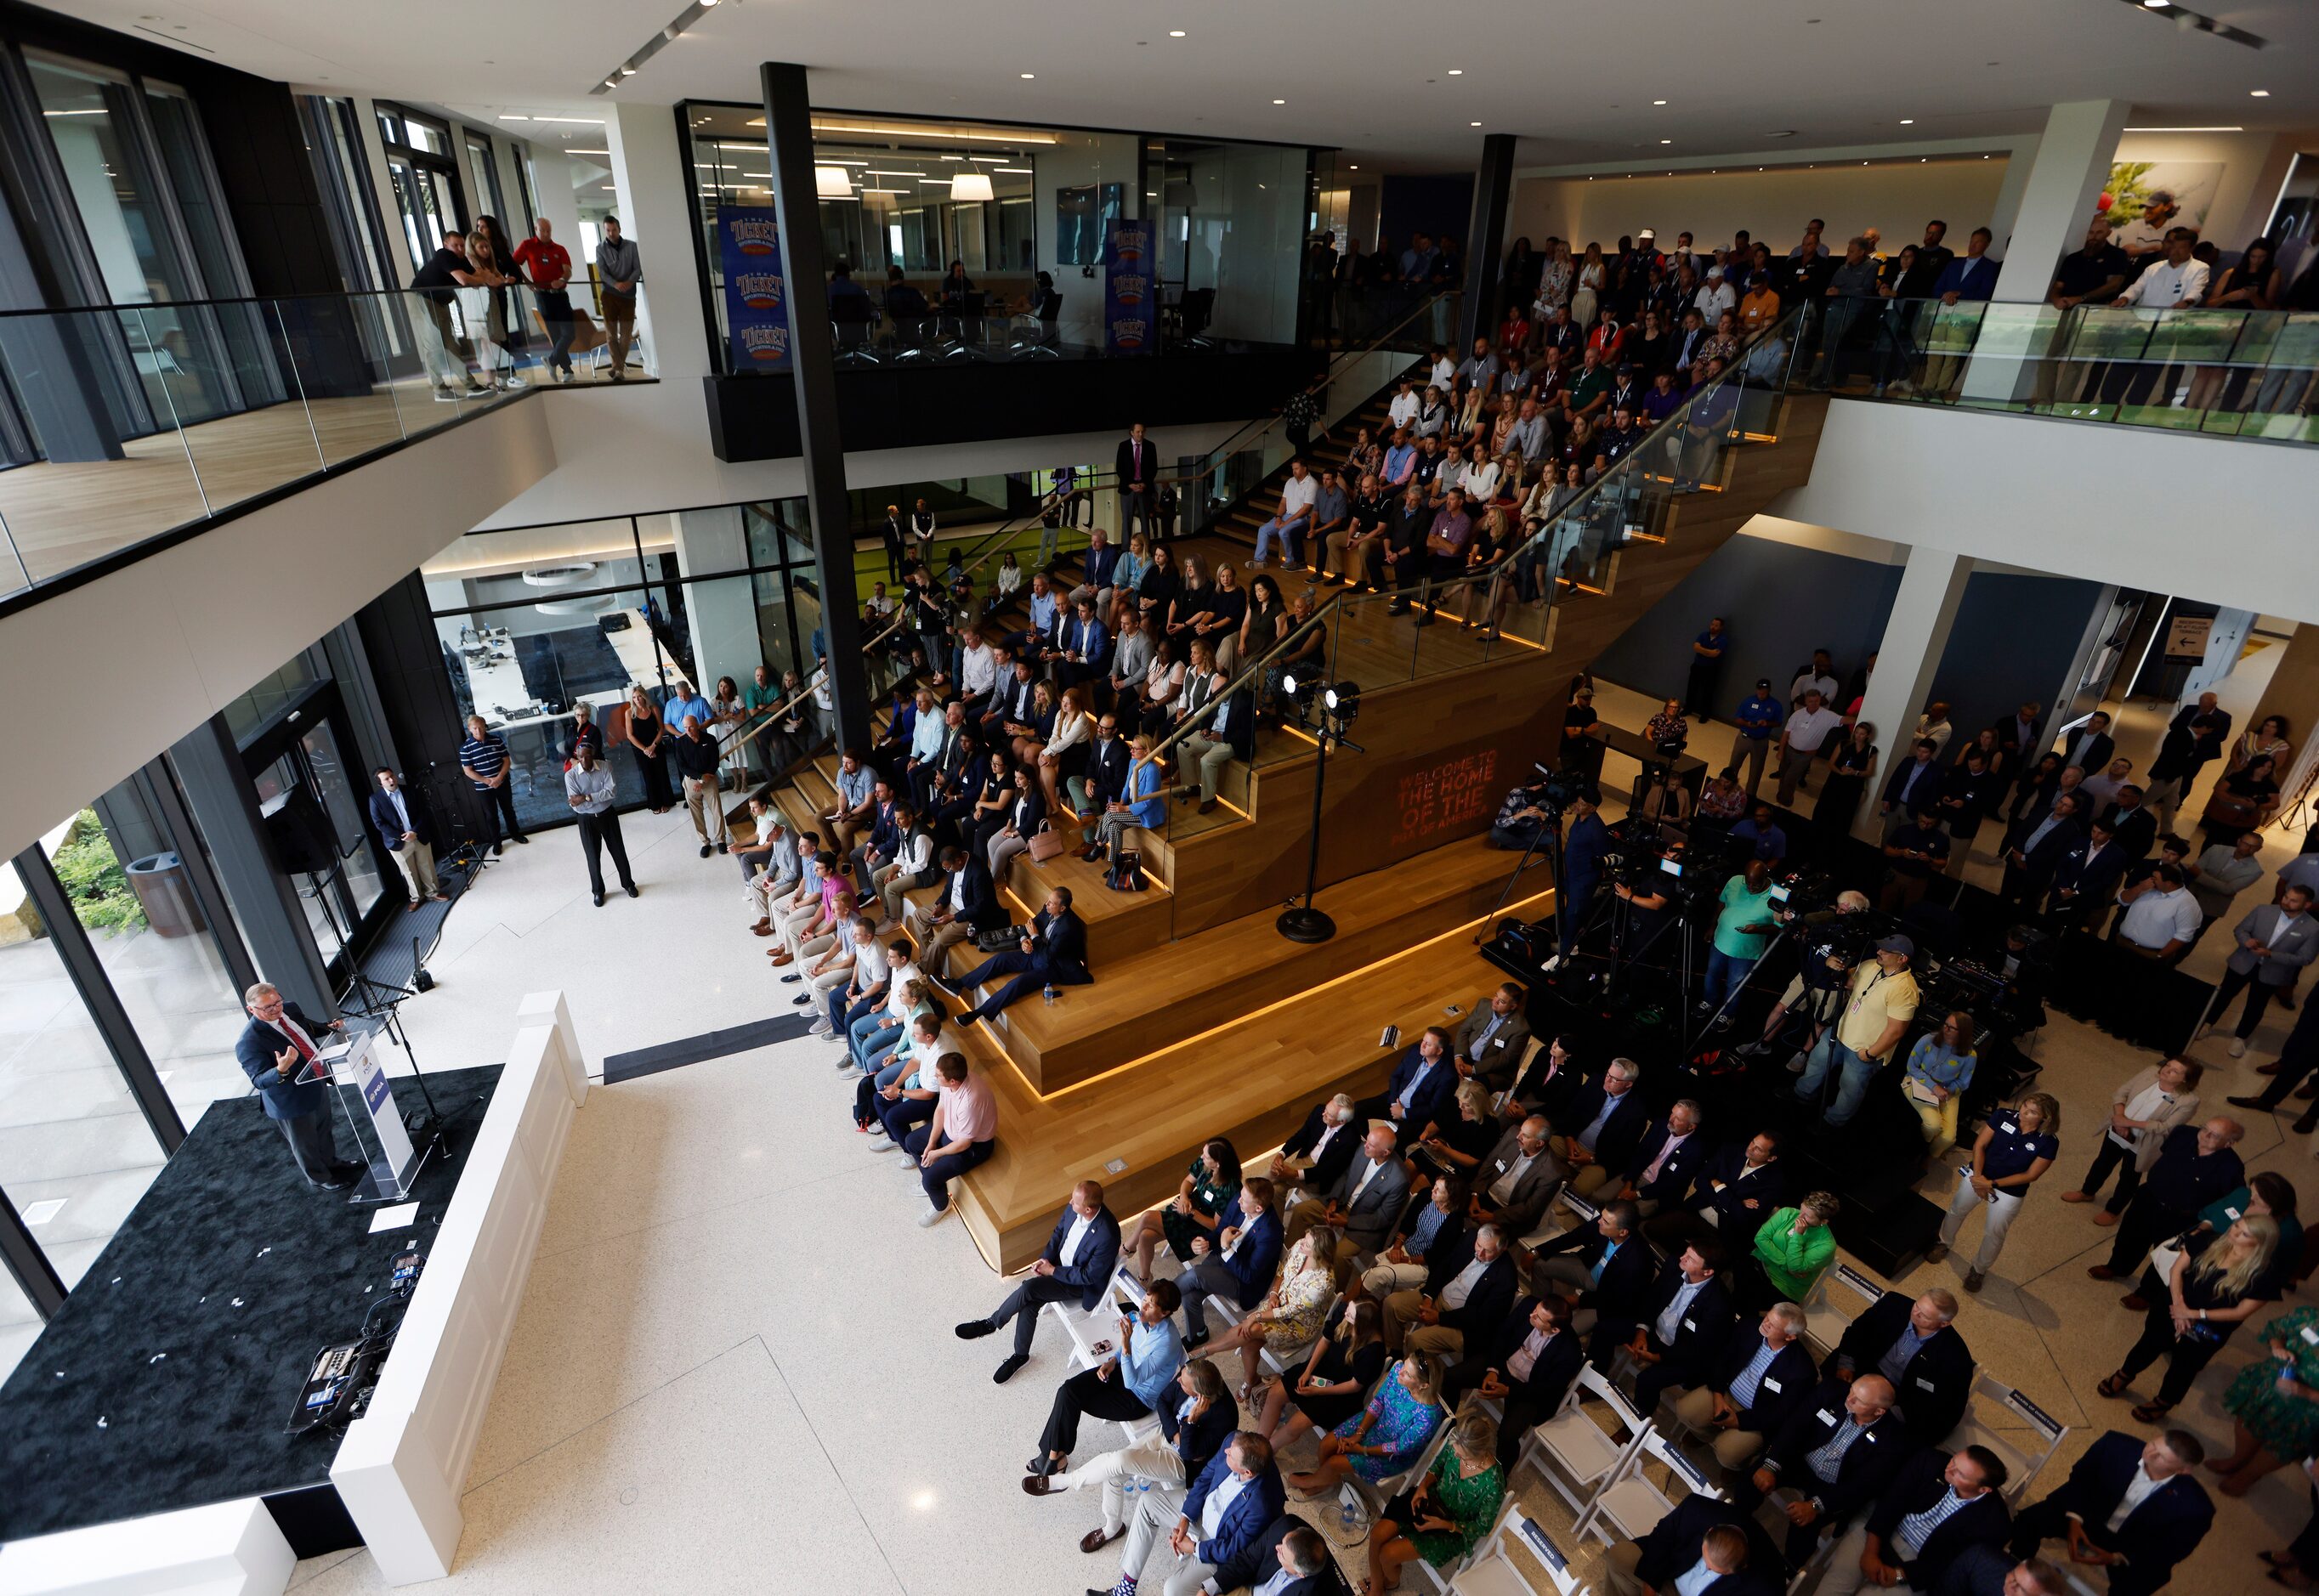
x: 756, y: 292
x: 1130, y: 292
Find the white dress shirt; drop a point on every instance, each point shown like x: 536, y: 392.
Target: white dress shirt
x: 1071, y: 1240
x: 2136, y: 1490
x: 1502, y: 1189
x: 2167, y: 283
x: 2157, y: 918
x: 1454, y: 1295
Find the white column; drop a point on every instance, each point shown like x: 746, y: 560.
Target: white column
x: 712, y: 551
x: 1914, y: 635
x: 648, y: 179
x: 2065, y: 178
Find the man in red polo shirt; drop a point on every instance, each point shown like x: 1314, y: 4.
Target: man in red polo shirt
x: 548, y: 263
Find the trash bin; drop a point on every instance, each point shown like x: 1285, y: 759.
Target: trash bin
x: 158, y: 879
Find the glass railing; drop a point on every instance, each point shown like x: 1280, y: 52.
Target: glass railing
x: 2238, y: 374
x: 122, y: 422
x: 991, y: 327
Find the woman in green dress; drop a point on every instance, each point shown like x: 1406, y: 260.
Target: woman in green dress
x: 2275, y: 1402
x: 1212, y: 1182
x: 1449, y: 1513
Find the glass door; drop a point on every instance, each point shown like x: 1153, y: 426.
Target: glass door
x: 314, y: 801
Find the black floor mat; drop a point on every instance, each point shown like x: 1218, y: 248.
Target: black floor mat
x: 695, y: 1049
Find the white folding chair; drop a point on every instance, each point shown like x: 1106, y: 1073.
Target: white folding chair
x: 2022, y: 1463
x: 1492, y: 1572
x: 1084, y: 1329
x: 1825, y: 1321
x: 1632, y: 1503
x: 1571, y: 1447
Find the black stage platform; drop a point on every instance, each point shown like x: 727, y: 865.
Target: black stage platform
x: 167, y: 1381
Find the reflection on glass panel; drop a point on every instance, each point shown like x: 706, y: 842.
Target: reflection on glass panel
x: 272, y: 695
x: 20, y: 1324
x: 523, y: 668
x: 344, y: 793
x: 89, y: 114
x: 74, y: 1153
x: 132, y: 897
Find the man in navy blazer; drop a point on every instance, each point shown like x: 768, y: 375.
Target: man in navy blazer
x: 2165, y: 1525
x: 1425, y: 1078
x: 1076, y: 1266
x: 1758, y: 1380
x: 1701, y: 1529
x: 277, y: 1044
x: 1055, y: 951
x: 1871, y: 1444
x: 1734, y: 1189
x: 1292, y: 1548
x: 1240, y: 1264
x: 1468, y: 1287
x: 1598, y: 1132
x: 1610, y: 1266
x: 1527, y: 1367
x: 403, y: 821
x: 1939, y: 1505
x: 1658, y: 1172
x: 1235, y: 1500
x: 1915, y: 1344
x: 2086, y: 878
x: 1688, y: 1318
x: 1084, y: 654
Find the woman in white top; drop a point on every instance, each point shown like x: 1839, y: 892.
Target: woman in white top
x: 2271, y: 737
x: 1480, y: 476
x: 1066, y: 751
x: 1008, y: 582
x: 2143, y: 1112
x: 1433, y: 415
x: 912, y: 857
x: 1553, y: 284
x: 1592, y: 275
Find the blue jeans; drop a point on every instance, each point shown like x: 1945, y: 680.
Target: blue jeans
x: 1286, y: 533
x: 864, y: 1031
x: 1726, y: 974
x: 883, y: 1071
x: 844, y: 1008
x: 1850, y: 1087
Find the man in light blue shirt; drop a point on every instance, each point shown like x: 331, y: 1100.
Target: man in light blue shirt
x: 1400, y: 460
x: 682, y: 704
x: 1138, y: 1368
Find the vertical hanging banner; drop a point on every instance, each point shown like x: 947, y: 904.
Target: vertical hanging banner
x: 756, y: 293
x: 1129, y: 295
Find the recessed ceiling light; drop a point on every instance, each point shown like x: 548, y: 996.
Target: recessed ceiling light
x: 1280, y: 102
x: 2156, y: 5
x: 1658, y: 102
x: 1474, y: 124
x: 627, y: 71
x: 1457, y: 71
x: 1907, y: 122
x: 2217, y: 130
x: 1667, y: 140
x: 1175, y: 33
x: 2260, y: 94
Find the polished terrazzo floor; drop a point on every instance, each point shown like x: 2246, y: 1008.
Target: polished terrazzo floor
x: 734, y: 1369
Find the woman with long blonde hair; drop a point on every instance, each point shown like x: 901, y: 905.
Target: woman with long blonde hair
x: 2209, y: 1291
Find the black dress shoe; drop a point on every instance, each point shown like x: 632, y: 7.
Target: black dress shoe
x: 723, y: 848
x: 1042, y: 1466
x: 794, y: 976
x: 970, y: 1017
x: 523, y: 842
x: 974, y: 1329
x: 598, y: 897
x: 2254, y: 1103
x: 1006, y: 1367
x: 630, y: 890
x: 346, y: 1172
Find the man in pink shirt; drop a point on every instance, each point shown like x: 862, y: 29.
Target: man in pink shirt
x: 963, y: 1133
x: 548, y: 265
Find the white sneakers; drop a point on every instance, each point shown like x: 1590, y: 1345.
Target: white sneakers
x: 2237, y: 1049
x: 878, y: 1142
x: 932, y: 1217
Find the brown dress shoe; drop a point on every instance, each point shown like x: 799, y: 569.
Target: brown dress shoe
x: 2101, y: 1272
x: 1094, y: 1540
x: 2076, y: 1197
x: 762, y: 928
x: 2135, y: 1301
x: 2105, y: 1218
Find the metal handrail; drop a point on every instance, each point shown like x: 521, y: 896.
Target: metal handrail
x: 1421, y: 589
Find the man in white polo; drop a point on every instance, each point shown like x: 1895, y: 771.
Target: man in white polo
x: 1806, y: 731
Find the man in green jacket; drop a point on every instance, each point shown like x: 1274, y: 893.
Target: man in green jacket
x: 1794, y: 1248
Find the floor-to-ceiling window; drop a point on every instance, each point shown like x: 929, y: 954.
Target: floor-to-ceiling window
x: 425, y: 174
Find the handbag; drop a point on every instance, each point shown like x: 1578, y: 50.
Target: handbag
x: 2228, y: 808
x: 1046, y: 843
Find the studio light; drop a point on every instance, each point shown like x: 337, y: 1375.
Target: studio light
x: 1338, y: 703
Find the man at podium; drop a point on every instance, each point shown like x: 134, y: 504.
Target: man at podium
x: 277, y: 1050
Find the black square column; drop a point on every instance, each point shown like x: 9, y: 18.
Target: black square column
x: 1485, y: 240
x: 797, y: 208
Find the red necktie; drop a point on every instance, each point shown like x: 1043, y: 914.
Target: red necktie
x: 305, y: 1053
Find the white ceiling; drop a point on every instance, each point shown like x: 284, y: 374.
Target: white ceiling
x: 1575, y: 82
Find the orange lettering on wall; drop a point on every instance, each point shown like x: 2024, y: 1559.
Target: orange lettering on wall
x: 1445, y: 796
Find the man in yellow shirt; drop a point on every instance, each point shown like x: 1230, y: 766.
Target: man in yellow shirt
x: 1878, y: 1003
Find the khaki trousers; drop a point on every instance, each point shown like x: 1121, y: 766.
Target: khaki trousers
x: 416, y: 861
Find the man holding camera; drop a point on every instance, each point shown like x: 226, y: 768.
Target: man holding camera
x: 1879, y: 1001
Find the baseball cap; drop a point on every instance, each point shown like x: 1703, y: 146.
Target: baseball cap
x: 1763, y: 682
x: 1647, y: 233
x: 1898, y: 945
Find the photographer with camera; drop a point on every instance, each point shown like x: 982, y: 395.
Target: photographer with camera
x: 1880, y: 999
x: 1830, y: 952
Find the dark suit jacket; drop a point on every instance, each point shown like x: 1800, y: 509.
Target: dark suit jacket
x: 1107, y: 770
x: 1440, y: 1084
x: 982, y: 910
x: 1737, y: 1222
x: 1244, y: 1522
x: 1926, y: 788
x: 1098, y: 1255
x: 255, y: 1050
x: 1625, y: 1289
x: 1262, y: 1561
x: 1933, y: 1389
x: 390, y: 825
x: 1981, y: 1571
x: 2164, y: 1529
x: 1671, y: 1546
x: 2095, y: 880
x: 2136, y: 829
x: 1674, y: 1174
x: 1205, y: 1436
x: 1496, y: 1064
x: 1791, y: 1373
x: 1699, y: 1335
x: 1130, y: 476
x: 1552, y: 1097
x: 1254, y: 1262
x: 1059, y: 947
x: 1333, y: 1158
x: 2096, y: 756
x: 1868, y: 1463
x: 1096, y: 567
x: 2046, y: 858
x: 1984, y: 1521
x: 1621, y: 1134
x: 1550, y: 1377
x: 1493, y: 1292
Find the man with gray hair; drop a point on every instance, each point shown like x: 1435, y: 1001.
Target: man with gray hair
x: 1760, y: 1379
x: 277, y: 1050
x: 1460, y: 1297
x: 1309, y: 1161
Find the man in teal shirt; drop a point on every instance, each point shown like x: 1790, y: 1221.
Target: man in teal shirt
x: 1743, y: 930
x: 760, y: 695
